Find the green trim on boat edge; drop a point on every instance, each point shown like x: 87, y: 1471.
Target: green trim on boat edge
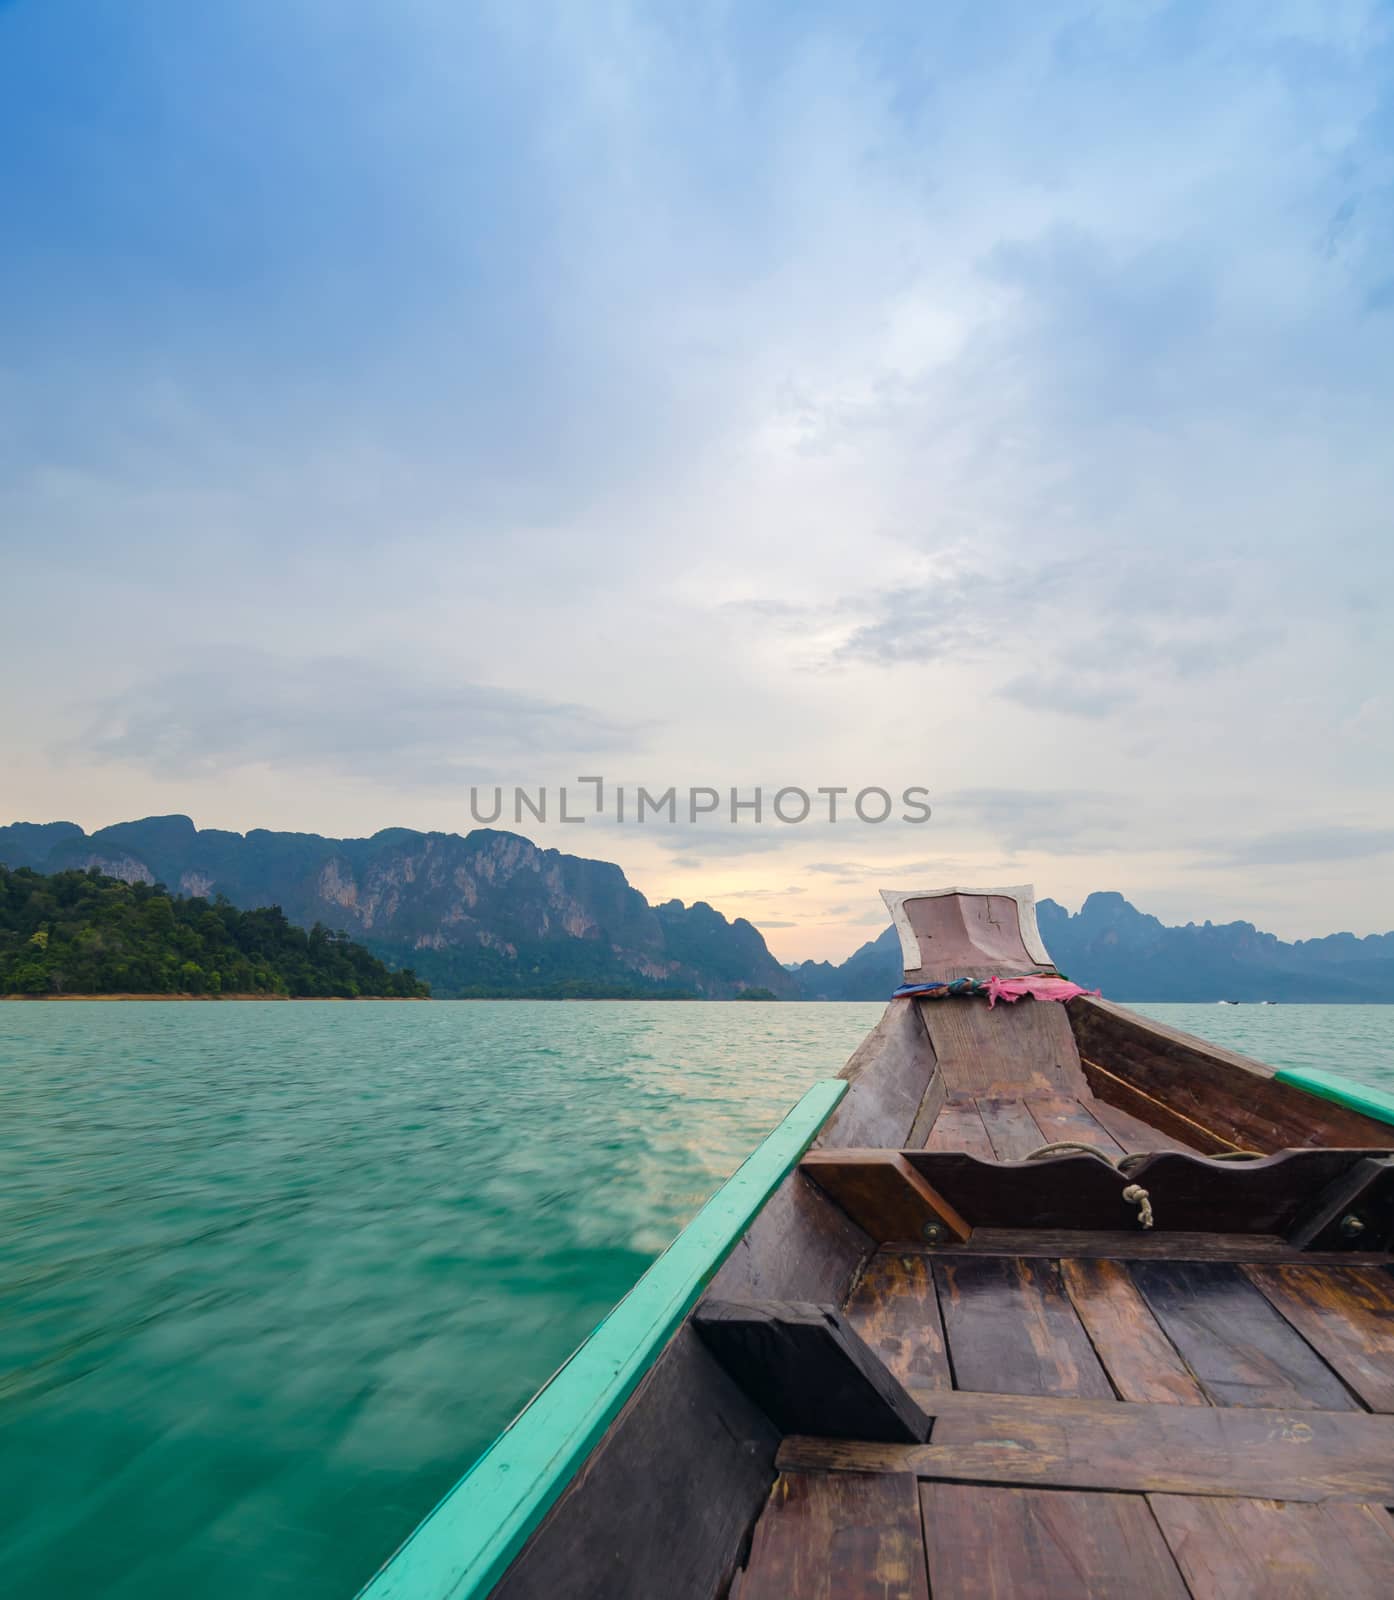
x: 466, y: 1544
x: 1370, y: 1102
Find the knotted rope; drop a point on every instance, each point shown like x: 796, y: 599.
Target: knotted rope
x: 1134, y: 1194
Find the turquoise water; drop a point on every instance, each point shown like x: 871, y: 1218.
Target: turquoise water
x: 273, y: 1274
x: 1355, y: 1040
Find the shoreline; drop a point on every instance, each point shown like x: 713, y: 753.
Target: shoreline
x: 217, y: 999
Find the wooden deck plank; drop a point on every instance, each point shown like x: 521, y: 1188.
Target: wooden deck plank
x: 1061, y: 1119
x: 1010, y: 1327
x: 1347, y: 1315
x: 1118, y: 1445
x: 1241, y: 1350
x: 838, y: 1537
x: 1137, y: 1355
x: 1133, y: 1133
x: 959, y: 1126
x: 1040, y: 1544
x: 1236, y: 1549
x: 1009, y: 1050
x: 896, y: 1310
x: 1130, y: 1244
x: 1011, y: 1127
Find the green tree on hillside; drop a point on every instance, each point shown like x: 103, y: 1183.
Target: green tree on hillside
x: 82, y: 933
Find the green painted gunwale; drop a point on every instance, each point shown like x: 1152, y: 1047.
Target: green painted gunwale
x: 465, y: 1545
x: 1370, y: 1102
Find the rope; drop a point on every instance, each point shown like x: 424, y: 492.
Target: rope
x: 1136, y: 1195
x: 1069, y: 1144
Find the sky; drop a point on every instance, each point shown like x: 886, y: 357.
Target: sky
x: 997, y: 399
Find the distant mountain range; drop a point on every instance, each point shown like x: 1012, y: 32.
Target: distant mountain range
x: 1108, y: 944
x: 484, y: 913
x: 490, y: 913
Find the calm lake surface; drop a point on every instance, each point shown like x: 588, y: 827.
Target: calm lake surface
x: 272, y: 1275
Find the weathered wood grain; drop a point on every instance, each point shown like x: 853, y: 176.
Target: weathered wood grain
x: 801, y: 1247
x: 1237, y: 1549
x: 1093, y: 1444
x: 1111, y: 1090
x: 1014, y: 1132
x: 1130, y: 1244
x: 808, y: 1370
x: 1347, y: 1315
x: 664, y: 1502
x: 1060, y: 1119
x: 1009, y: 1050
x: 1241, y: 1351
x: 1010, y: 1327
x: 1266, y: 1196
x: 964, y: 933
x: 895, y: 1308
x: 825, y: 1537
x: 1236, y: 1097
x: 930, y: 1106
x: 887, y: 1076
x: 1071, y: 1190
x: 959, y: 1126
x: 1138, y: 1356
x: 1041, y: 1544
x: 1132, y: 1132
x: 1363, y: 1195
x: 883, y: 1194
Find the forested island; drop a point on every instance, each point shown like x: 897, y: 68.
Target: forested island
x: 80, y: 933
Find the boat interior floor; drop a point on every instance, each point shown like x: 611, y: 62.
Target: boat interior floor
x: 1084, y: 1406
x: 1102, y: 1426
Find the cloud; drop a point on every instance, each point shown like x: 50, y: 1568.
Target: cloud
x: 964, y: 612
x: 1298, y: 846
x: 756, y: 387
x: 1036, y: 820
x: 857, y: 871
x: 1071, y: 696
x: 352, y: 716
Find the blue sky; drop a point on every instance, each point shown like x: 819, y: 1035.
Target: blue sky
x: 994, y: 398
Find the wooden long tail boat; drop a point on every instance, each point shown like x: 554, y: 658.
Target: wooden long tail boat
x: 1034, y: 1299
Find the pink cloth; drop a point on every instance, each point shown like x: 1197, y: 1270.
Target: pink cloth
x: 1042, y: 988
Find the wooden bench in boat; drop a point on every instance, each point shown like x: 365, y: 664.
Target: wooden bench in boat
x: 1320, y: 1199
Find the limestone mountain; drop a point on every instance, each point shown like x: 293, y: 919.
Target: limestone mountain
x: 482, y: 913
x: 1110, y: 945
